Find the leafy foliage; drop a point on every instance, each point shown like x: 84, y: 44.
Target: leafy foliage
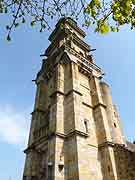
x: 104, y: 15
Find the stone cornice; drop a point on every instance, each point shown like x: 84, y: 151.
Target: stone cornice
x: 33, y: 148
x: 38, y: 110
x: 92, y: 145
x: 55, y: 93
x: 73, y: 37
x: 65, y: 94
x: 99, y: 104
x: 70, y: 134
x: 106, y: 144
x: 55, y: 134
x: 77, y: 132
x: 88, y: 105
x: 85, y: 65
x: 82, y: 60
x: 112, y: 144
x: 73, y: 91
x: 79, y: 41
x: 29, y: 149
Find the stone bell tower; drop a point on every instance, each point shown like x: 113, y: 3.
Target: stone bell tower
x: 75, y: 126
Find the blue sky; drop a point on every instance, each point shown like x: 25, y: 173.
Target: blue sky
x: 20, y: 61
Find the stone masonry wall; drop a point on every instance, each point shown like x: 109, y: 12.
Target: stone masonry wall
x: 125, y: 162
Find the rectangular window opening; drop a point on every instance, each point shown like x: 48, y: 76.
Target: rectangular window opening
x: 86, y: 125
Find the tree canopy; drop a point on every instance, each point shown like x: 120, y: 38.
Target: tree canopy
x: 104, y: 15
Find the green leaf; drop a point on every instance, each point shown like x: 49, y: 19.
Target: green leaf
x: 87, y: 23
x: 117, y: 29
x: 93, y: 13
x: 7, y: 27
x: 41, y: 30
x: 6, y: 10
x: 113, y: 29
x: 87, y: 10
x: 43, y: 26
x: 133, y: 12
x: 1, y: 10
x: 133, y: 22
x: 23, y: 13
x: 8, y: 38
x: 103, y: 28
x: 23, y: 20
x: 133, y: 1
x: 32, y: 23
x: 16, y: 24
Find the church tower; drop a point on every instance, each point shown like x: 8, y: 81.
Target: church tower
x: 75, y: 127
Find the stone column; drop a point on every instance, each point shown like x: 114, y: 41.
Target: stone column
x: 113, y: 121
x: 99, y: 111
x: 103, y: 132
x: 77, y: 96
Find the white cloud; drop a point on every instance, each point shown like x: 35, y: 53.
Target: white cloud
x: 14, y: 126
